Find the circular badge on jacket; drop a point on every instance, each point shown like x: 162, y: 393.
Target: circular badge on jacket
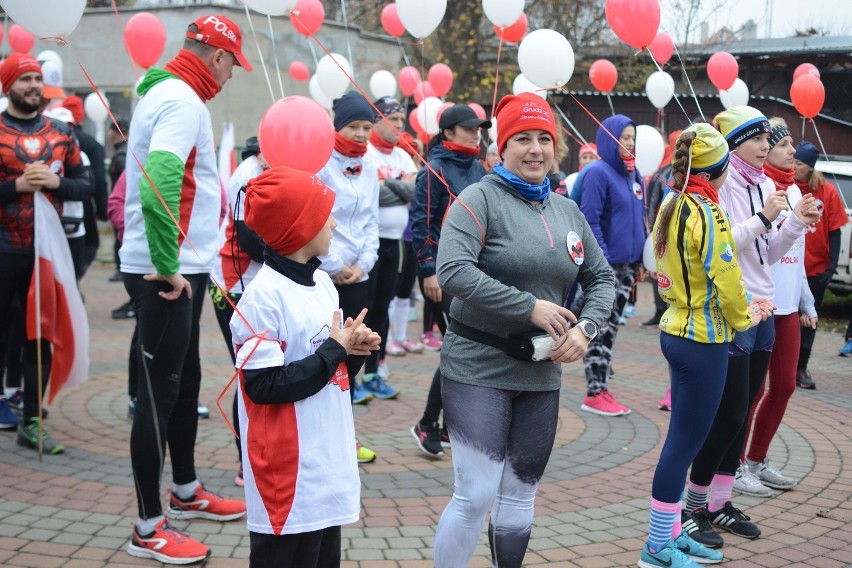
x: 637, y: 190
x: 575, y: 248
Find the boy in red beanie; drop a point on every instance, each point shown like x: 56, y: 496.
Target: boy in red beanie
x: 295, y: 356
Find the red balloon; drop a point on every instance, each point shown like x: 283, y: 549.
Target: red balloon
x: 20, y: 40
x: 424, y: 138
x: 391, y: 22
x: 414, y: 122
x: 299, y: 71
x: 515, y: 32
x: 145, y: 39
x: 805, y: 69
x: 296, y: 132
x: 442, y: 108
x: 309, y: 18
x: 662, y: 48
x: 480, y: 112
x: 722, y: 68
x: 635, y: 22
x: 808, y: 95
x: 1, y: 35
x: 408, y: 79
x: 440, y: 77
x: 422, y: 90
x: 603, y: 75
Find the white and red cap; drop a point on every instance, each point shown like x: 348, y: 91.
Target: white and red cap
x: 218, y: 31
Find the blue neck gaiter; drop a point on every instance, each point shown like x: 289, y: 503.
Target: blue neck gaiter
x: 527, y: 190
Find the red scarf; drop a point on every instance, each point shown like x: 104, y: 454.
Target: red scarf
x: 782, y: 178
x: 701, y: 186
x: 630, y: 163
x: 191, y: 70
x: 348, y: 147
x: 380, y: 143
x: 804, y: 186
x: 461, y: 149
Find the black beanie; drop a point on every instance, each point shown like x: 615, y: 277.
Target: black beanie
x: 252, y: 148
x: 351, y: 107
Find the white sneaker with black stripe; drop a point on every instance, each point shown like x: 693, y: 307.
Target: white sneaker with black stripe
x: 770, y: 476
x: 747, y: 483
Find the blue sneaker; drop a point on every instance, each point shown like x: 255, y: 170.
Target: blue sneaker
x: 16, y: 401
x: 697, y: 551
x: 667, y: 557
x: 846, y: 350
x: 378, y: 387
x: 360, y: 395
x: 8, y: 419
x: 629, y: 310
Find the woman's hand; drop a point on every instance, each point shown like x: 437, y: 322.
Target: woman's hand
x: 431, y: 288
x: 808, y: 321
x: 552, y: 318
x: 775, y: 203
x: 806, y: 209
x: 343, y: 276
x: 760, y: 309
x: 570, y: 347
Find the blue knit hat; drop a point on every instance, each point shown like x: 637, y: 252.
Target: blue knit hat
x: 806, y: 153
x: 351, y: 107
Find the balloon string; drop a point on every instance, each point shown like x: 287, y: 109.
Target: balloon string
x: 497, y: 73
x: 688, y: 82
x: 599, y: 123
x: 825, y: 154
x: 571, y: 134
x: 609, y: 100
x: 259, y: 54
x: 126, y: 47
x: 378, y: 113
x: 674, y: 94
x: 311, y: 46
x: 569, y: 123
x: 348, y: 44
x: 261, y: 337
x: 275, y: 54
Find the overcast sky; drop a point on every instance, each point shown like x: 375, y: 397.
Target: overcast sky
x: 787, y: 16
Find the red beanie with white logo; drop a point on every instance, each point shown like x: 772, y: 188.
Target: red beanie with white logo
x: 517, y: 113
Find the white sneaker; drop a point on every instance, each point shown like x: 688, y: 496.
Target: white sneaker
x: 770, y: 476
x: 747, y: 483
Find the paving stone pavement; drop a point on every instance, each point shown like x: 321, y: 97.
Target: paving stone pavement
x: 76, y: 510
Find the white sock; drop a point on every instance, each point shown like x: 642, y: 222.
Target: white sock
x: 147, y: 526
x: 186, y: 490
x: 398, y: 317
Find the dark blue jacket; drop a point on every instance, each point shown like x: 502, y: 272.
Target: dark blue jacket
x: 613, y: 199
x: 432, y: 199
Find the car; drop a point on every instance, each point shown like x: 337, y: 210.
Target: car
x: 838, y: 172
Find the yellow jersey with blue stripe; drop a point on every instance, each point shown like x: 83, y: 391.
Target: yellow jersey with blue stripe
x: 698, y: 275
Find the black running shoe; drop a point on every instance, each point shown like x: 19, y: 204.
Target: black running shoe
x: 697, y: 526
x: 125, y: 311
x: 733, y: 520
x: 428, y: 439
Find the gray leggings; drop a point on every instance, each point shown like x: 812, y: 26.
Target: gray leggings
x: 501, y: 443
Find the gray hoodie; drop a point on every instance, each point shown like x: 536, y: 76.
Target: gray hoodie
x: 526, y: 257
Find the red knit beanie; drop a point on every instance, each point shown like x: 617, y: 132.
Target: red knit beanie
x: 75, y: 105
x: 287, y: 208
x: 589, y: 148
x: 517, y: 113
x: 16, y: 65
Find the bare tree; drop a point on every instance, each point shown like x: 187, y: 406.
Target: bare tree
x: 691, y: 15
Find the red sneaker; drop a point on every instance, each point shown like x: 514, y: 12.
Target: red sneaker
x: 603, y: 404
x: 168, y: 545
x: 206, y: 505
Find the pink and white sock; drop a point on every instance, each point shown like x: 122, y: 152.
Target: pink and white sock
x: 720, y: 491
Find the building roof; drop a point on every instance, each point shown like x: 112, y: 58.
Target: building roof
x: 823, y: 45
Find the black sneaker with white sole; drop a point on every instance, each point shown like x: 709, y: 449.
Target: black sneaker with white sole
x: 697, y: 526
x: 735, y: 521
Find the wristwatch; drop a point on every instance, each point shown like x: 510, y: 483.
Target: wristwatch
x: 588, y: 328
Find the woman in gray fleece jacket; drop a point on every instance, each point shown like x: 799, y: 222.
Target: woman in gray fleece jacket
x: 509, y: 253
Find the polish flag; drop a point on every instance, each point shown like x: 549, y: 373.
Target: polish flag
x: 63, y: 318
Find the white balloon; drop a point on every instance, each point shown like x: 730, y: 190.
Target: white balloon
x: 4, y: 104
x: 330, y: 78
x: 649, y: 151
x: 660, y: 88
x: 546, y: 58
x: 427, y: 114
x: 45, y: 18
x: 648, y: 258
x: 52, y: 56
x: 737, y: 95
x: 492, y: 132
x: 421, y: 17
x: 523, y: 85
x: 317, y: 93
x: 503, y: 13
x: 95, y: 109
x: 271, y: 7
x: 383, y: 84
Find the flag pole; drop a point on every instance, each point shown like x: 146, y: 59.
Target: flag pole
x: 37, y: 276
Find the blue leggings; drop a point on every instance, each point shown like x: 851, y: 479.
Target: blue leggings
x: 697, y: 372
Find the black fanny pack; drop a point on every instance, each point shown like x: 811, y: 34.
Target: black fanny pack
x: 532, y: 346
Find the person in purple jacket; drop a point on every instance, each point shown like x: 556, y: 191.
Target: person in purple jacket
x: 612, y: 202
